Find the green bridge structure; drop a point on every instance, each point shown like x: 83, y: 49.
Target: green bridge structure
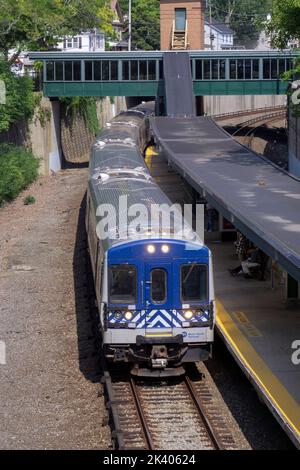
x: 140, y: 73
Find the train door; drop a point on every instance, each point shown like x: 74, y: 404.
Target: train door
x: 158, y: 299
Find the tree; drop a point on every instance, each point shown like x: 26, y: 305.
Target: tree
x: 246, y: 18
x: 20, y: 99
x: 145, y: 23
x: 285, y: 23
x: 38, y: 24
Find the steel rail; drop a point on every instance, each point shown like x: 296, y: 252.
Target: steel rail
x: 142, y: 417
x: 200, y: 408
x: 266, y: 118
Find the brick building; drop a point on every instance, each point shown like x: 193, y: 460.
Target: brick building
x: 182, y: 24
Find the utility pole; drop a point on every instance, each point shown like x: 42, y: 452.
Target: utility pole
x: 211, y: 36
x: 129, y: 25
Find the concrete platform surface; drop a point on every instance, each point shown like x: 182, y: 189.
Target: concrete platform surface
x: 259, y: 330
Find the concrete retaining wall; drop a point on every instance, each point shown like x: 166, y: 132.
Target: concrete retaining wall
x: 294, y: 144
x: 230, y: 104
x: 45, y: 141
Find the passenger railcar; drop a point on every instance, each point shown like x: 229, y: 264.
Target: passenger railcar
x: 155, y: 292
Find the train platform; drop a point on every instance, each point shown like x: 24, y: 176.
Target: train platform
x: 259, y: 329
x: 252, y: 317
x: 258, y: 198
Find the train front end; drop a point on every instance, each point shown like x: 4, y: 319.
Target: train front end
x: 158, y: 303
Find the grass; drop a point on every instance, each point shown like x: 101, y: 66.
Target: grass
x: 18, y: 169
x: 29, y: 200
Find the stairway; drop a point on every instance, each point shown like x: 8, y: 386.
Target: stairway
x: 179, y: 38
x: 180, y: 99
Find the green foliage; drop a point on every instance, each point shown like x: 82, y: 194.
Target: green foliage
x: 246, y: 18
x: 37, y: 24
x: 285, y: 22
x: 20, y: 99
x: 86, y: 107
x: 18, y: 169
x: 28, y: 200
x: 42, y: 114
x: 145, y: 23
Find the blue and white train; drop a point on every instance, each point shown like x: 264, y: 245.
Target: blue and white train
x: 155, y: 292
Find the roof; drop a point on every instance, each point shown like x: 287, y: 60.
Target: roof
x: 259, y: 198
x: 219, y: 26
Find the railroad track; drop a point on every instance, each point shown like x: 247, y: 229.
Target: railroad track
x: 165, y: 414
x: 256, y: 124
x: 248, y: 112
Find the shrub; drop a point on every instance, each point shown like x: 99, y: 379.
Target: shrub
x: 20, y: 99
x: 18, y: 169
x: 29, y: 200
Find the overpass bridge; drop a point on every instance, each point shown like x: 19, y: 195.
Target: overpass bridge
x: 141, y: 73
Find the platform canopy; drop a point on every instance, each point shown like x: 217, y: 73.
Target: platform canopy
x: 259, y: 198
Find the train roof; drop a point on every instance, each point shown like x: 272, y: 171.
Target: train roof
x: 118, y: 173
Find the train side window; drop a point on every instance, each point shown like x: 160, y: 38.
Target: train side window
x: 232, y: 65
x: 50, y: 70
x: 281, y: 66
x: 105, y: 70
x: 113, y: 70
x: 134, y: 70
x: 248, y: 68
x: 143, y: 70
x: 158, y: 279
x: 274, y: 68
x: 122, y: 284
x: 194, y: 283
x: 222, y: 68
x: 125, y: 66
x: 255, y: 69
x: 207, y: 69
x: 97, y: 70
x: 77, y: 70
x: 88, y: 70
x: 215, y: 69
x: 267, y: 74
x: 198, y: 69
x: 240, y: 69
x: 68, y: 70
x: 152, y: 70
x: 59, y: 71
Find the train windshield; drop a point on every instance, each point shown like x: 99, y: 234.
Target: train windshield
x: 158, y: 286
x: 122, y: 284
x: 194, y: 285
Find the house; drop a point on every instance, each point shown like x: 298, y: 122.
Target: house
x: 86, y: 41
x: 118, y: 26
x: 217, y: 36
x: 94, y: 40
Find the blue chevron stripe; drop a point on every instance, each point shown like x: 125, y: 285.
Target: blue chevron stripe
x: 159, y: 319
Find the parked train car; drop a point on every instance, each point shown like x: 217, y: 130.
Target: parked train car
x: 155, y: 292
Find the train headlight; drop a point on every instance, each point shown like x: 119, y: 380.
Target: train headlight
x: 128, y: 315
x: 188, y: 314
x: 118, y: 314
x: 151, y: 249
x: 165, y: 248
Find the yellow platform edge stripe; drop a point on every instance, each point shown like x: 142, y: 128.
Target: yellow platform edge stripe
x: 272, y: 387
